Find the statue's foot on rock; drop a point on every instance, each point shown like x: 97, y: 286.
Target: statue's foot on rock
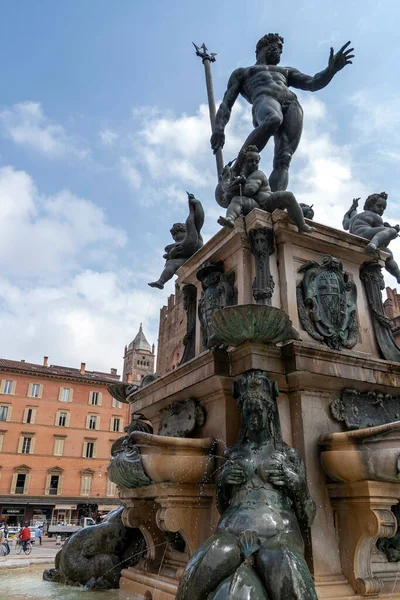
x: 371, y: 248
x: 306, y: 228
x: 226, y: 222
x: 157, y: 284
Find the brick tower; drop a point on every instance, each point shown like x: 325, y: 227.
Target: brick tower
x: 139, y: 358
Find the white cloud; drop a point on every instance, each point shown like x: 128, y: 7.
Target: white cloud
x: 130, y: 173
x: 108, y: 137
x: 26, y: 125
x: 49, y: 235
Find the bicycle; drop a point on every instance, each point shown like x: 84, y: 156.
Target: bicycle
x: 25, y: 546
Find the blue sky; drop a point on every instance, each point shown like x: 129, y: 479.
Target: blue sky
x: 103, y: 126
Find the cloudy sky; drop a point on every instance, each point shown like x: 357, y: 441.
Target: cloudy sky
x: 104, y: 125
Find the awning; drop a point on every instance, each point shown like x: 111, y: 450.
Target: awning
x: 65, y: 507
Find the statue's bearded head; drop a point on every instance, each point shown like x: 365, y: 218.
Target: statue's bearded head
x: 269, y: 49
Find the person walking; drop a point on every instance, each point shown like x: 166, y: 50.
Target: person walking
x: 38, y: 534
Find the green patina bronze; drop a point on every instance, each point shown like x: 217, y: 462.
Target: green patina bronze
x: 252, y: 323
x: 257, y: 551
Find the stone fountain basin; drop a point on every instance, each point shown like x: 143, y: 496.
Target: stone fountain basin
x: 372, y: 453
x: 235, y: 325
x: 173, y: 459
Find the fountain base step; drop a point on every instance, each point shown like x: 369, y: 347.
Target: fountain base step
x: 137, y: 585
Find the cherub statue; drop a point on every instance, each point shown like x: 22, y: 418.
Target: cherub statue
x: 257, y: 550
x: 369, y: 224
x: 251, y: 190
x: 187, y: 240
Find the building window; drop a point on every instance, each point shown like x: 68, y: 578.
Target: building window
x: 29, y: 415
x: 20, y: 483
x: 26, y: 445
x: 62, y: 419
x: 92, y: 422
x: 95, y: 398
x: 3, y: 413
x: 8, y: 386
x: 58, y: 447
x: 53, y: 488
x: 89, y: 450
x: 65, y: 395
x: 116, y: 403
x: 35, y: 390
x: 111, y: 488
x: 86, y: 482
x: 116, y: 424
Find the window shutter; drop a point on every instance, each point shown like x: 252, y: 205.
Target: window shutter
x: 30, y: 390
x: 121, y: 425
x: 84, y: 449
x: 40, y: 390
x: 111, y: 424
x: 60, y: 484
x: 71, y: 393
x: 67, y: 419
x: 13, y: 387
x: 21, y: 441
x: 32, y: 448
x: 9, y: 411
x: 1, y: 441
x: 2, y: 386
x: 87, y: 421
x: 13, y: 483
x: 95, y: 450
x: 98, y: 422
x: 33, y: 418
x: 60, y: 393
x: 57, y: 417
x: 27, y: 483
x: 47, y: 488
x: 100, y: 399
x: 25, y: 417
x: 90, y: 397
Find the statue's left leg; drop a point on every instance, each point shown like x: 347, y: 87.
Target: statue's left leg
x: 287, y: 139
x: 284, y: 572
x: 286, y: 200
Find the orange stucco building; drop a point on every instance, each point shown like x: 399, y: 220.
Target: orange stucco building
x: 57, y: 425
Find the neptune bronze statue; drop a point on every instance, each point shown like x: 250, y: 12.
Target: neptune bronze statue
x: 257, y: 551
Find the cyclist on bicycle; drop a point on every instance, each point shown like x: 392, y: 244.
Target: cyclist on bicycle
x: 24, y: 536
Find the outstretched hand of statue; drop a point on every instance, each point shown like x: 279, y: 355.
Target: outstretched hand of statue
x: 341, y: 58
x: 217, y: 140
x: 355, y: 202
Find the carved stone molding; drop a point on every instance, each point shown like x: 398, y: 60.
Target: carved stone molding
x: 327, y: 303
x: 372, y: 278
x: 181, y: 418
x: 362, y: 515
x: 143, y: 516
x: 187, y: 515
x: 365, y: 409
x: 262, y: 246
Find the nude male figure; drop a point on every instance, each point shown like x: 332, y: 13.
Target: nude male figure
x: 276, y: 110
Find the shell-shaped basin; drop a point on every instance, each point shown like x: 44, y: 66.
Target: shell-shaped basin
x: 173, y: 459
x: 371, y: 453
x: 252, y: 323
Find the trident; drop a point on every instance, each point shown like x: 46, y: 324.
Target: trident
x: 207, y: 59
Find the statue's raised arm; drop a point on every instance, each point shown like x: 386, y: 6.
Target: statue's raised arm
x: 336, y: 63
